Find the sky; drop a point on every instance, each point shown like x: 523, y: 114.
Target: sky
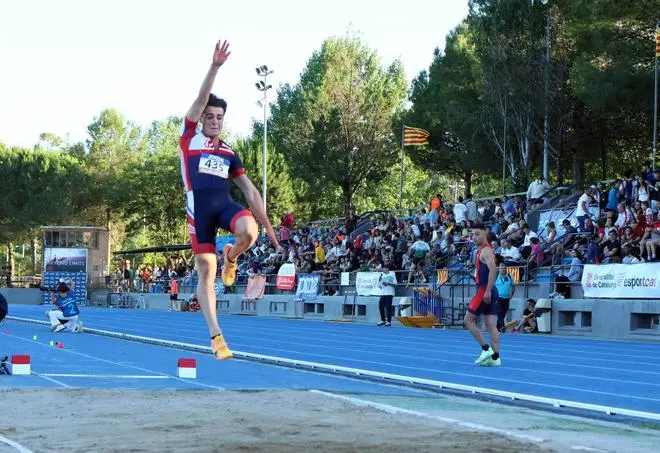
x: 63, y: 61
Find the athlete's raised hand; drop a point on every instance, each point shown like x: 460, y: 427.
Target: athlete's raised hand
x: 221, y: 53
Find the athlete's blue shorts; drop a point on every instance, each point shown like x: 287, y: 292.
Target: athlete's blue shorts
x: 207, y: 211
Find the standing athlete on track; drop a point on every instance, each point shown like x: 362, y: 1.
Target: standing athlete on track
x: 485, y: 301
x: 208, y: 166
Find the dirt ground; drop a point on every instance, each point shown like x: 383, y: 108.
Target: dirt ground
x: 92, y: 420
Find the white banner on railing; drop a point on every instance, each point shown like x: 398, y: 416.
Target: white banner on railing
x: 622, y: 281
x: 367, y: 284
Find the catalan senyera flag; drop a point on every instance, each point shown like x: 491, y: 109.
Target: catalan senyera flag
x: 657, y: 42
x: 415, y: 136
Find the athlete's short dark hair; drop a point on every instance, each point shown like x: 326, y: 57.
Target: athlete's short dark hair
x: 215, y: 101
x: 479, y: 226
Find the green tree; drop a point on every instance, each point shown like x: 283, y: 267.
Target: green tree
x: 334, y: 125
x: 155, y: 201
x: 43, y: 188
x: 280, y: 196
x: 447, y: 100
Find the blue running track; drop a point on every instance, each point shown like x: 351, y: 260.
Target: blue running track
x: 608, y: 373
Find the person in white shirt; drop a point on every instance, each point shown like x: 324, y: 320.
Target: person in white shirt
x: 537, y: 190
x: 582, y: 210
x: 387, y: 284
x: 510, y: 254
x: 471, y: 206
x: 460, y: 211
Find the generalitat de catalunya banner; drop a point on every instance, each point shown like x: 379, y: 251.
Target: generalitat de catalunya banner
x: 622, y: 281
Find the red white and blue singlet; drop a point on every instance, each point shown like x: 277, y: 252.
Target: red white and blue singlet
x: 207, y: 167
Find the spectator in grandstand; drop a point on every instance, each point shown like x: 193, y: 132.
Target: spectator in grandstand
x: 460, y: 211
x: 626, y: 189
x: 605, y: 228
x: 611, y: 249
x: 643, y: 190
x: 536, y: 255
x: 589, y: 229
x: 628, y: 239
x: 575, y: 271
x: 510, y: 254
x: 436, y: 202
x: 630, y: 255
x: 418, y: 253
x: 508, y: 207
x: 433, y: 217
x: 506, y: 288
x: 582, y: 210
x: 536, y: 191
x: 471, y: 205
x: 526, y: 247
x: 613, y: 197
x: 650, y: 240
x: 284, y: 234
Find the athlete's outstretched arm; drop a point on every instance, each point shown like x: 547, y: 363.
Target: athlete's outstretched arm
x: 256, y: 204
x: 220, y: 55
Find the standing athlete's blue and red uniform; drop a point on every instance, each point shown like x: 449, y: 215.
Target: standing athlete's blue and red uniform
x: 477, y: 305
x: 207, y: 167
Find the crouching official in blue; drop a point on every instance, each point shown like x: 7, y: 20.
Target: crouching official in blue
x: 66, y: 315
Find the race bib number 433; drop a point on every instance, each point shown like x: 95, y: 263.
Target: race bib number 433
x: 214, y: 165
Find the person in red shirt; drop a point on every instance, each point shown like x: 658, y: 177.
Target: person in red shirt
x: 174, y: 293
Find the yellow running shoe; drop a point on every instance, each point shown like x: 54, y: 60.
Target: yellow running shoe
x: 220, y: 349
x: 228, y: 268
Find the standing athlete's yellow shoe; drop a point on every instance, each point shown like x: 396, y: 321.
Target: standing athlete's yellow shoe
x: 220, y: 349
x: 229, y: 267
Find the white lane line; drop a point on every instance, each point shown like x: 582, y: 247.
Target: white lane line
x: 20, y: 448
x: 398, y: 410
x: 42, y: 376
x: 104, y: 376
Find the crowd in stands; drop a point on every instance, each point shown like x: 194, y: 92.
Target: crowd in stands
x: 615, y: 223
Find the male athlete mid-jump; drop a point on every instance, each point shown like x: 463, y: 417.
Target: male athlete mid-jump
x: 208, y: 166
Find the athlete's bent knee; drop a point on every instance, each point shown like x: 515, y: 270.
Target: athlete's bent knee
x: 246, y: 230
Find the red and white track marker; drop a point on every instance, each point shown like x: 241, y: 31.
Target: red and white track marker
x: 187, y: 368
x: 20, y: 365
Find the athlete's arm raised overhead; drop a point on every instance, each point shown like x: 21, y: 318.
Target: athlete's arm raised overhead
x: 488, y: 257
x: 256, y: 204
x: 220, y: 55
